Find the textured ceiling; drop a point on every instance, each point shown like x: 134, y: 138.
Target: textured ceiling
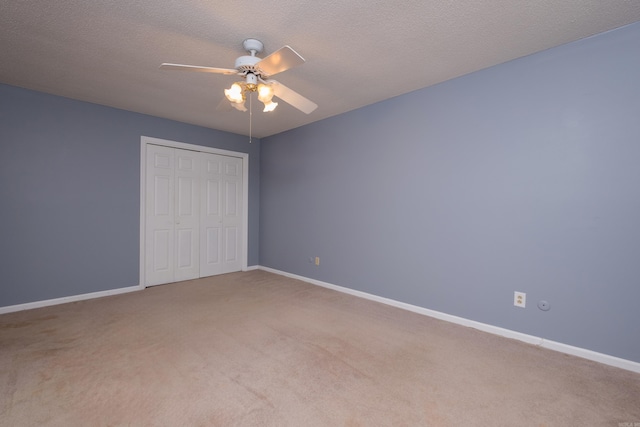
x: 358, y: 52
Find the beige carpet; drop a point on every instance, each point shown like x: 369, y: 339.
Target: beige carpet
x: 257, y: 349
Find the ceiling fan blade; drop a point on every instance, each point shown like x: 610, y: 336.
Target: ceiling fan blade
x: 279, y: 61
x: 292, y: 97
x: 182, y: 67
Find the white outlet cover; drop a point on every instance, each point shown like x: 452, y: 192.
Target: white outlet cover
x: 520, y: 299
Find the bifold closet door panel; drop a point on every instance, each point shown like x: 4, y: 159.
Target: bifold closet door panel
x: 187, y: 214
x: 172, y: 209
x: 232, y: 214
x: 159, y: 215
x: 221, y: 215
x: 211, y: 216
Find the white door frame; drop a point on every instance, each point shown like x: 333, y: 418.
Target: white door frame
x: 144, y: 141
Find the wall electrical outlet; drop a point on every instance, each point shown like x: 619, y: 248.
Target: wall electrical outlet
x: 317, y: 260
x: 520, y: 299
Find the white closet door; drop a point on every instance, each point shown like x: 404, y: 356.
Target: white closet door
x: 221, y: 215
x: 211, y: 216
x: 159, y: 211
x: 172, y: 215
x: 187, y: 215
x: 232, y: 214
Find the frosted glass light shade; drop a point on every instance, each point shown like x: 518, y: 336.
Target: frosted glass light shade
x: 234, y: 93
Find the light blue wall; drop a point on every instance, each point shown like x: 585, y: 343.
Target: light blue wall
x: 521, y: 177
x: 70, y: 193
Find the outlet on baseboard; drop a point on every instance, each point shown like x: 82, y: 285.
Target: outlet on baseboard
x: 520, y: 299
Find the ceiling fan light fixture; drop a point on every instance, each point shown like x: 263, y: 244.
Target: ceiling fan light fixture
x: 265, y: 93
x: 269, y: 106
x: 251, y: 82
x: 234, y: 94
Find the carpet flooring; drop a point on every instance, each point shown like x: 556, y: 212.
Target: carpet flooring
x: 258, y: 349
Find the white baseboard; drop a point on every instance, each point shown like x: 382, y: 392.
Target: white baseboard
x: 74, y: 298
x: 530, y: 339
x: 63, y: 300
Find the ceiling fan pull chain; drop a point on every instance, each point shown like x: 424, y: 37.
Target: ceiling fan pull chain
x: 250, y: 114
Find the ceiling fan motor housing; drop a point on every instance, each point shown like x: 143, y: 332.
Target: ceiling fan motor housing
x: 247, y: 63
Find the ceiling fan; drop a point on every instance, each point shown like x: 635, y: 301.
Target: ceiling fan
x: 257, y: 73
